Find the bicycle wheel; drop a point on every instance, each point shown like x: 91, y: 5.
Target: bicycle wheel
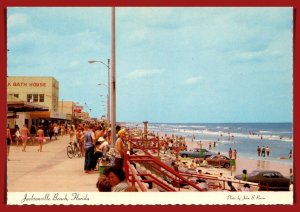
x: 77, y: 152
x: 70, y: 152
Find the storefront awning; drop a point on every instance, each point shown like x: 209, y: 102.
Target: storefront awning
x: 49, y: 115
x: 22, y: 106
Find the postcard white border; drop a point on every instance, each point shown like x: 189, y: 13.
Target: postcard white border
x: 150, y: 198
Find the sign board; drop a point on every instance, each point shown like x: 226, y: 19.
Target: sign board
x: 57, y: 115
x: 78, y: 109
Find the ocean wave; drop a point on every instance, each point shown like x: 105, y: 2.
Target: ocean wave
x: 265, y: 131
x: 186, y: 130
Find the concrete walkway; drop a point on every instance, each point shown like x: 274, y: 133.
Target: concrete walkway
x: 47, y: 171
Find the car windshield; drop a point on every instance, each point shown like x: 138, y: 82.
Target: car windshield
x: 278, y: 174
x: 254, y: 173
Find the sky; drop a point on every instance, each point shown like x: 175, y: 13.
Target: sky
x: 173, y: 65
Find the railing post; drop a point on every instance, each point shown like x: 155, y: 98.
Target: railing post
x: 125, y: 164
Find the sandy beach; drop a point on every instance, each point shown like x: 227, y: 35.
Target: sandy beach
x: 246, y: 163
x: 241, y: 162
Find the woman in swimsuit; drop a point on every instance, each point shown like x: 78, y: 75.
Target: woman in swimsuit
x: 24, y: 136
x: 40, y: 134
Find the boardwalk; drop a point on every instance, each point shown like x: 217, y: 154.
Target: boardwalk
x: 47, y: 171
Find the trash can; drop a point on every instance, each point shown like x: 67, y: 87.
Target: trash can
x: 103, y: 164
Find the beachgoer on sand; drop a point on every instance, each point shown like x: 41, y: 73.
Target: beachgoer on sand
x: 258, y: 151
x: 230, y: 153
x: 234, y: 154
x: 263, y: 151
x: 268, y: 150
x: 291, y: 154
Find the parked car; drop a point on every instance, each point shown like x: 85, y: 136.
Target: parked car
x: 217, y: 160
x: 268, y: 179
x: 196, y: 153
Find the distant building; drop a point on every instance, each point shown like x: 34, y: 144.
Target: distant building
x: 66, y: 107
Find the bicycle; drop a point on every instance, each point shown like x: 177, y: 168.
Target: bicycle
x: 73, y: 150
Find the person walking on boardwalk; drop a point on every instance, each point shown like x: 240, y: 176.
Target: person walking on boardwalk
x: 258, y: 151
x: 8, y: 141
x: 24, y: 136
x: 32, y: 134
x: 80, y: 139
x: 17, y: 135
x: 51, y: 131
x: 56, y: 130
x: 72, y: 134
x: 62, y: 130
x: 41, y: 137
x: 89, y: 138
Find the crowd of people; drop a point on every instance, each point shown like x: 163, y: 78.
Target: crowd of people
x: 94, y: 143
x: 263, y: 151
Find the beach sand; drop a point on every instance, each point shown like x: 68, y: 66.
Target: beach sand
x: 241, y: 162
x: 246, y: 163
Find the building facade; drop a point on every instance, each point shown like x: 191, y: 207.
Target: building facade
x: 39, y: 90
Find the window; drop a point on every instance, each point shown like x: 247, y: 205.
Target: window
x: 268, y: 175
x: 29, y: 98
x: 42, y: 98
x: 35, y: 97
x: 16, y: 95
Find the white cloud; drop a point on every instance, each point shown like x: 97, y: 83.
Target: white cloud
x: 17, y: 20
x: 73, y: 63
x: 140, y: 73
x: 192, y: 80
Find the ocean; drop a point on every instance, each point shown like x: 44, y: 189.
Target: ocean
x: 245, y: 137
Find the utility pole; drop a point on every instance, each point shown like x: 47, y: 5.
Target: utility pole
x: 113, y: 79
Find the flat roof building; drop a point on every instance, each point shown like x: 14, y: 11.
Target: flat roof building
x: 40, y: 90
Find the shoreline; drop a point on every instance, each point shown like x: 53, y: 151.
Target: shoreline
x: 242, y: 162
x: 249, y: 164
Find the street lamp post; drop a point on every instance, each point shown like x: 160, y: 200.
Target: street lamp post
x: 112, y: 80
x: 113, y: 77
x: 108, y: 114
x: 108, y: 85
